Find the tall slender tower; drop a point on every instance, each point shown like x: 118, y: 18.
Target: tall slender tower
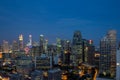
x: 30, y: 41
x: 58, y: 45
x: 46, y: 46
x: 21, y: 42
x: 108, y: 54
x: 42, y: 44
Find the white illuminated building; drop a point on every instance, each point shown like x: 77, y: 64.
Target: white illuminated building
x: 30, y: 41
x: 118, y: 64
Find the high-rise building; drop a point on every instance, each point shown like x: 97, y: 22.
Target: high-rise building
x: 90, y: 53
x: 85, y: 52
x: 29, y: 44
x: 42, y: 41
x: 118, y: 63
x: 35, y: 51
x: 21, y: 46
x: 58, y: 45
x: 108, y: 54
x: 96, y: 58
x: 46, y: 46
x: 5, y: 47
x: 77, y: 55
x: 66, y: 47
x: 15, y: 46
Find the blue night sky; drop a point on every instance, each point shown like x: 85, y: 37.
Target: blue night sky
x: 58, y: 18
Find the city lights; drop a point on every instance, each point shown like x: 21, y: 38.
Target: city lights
x: 76, y: 59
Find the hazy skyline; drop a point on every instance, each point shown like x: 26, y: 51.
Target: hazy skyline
x: 58, y: 18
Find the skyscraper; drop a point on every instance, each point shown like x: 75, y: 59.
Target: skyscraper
x: 30, y: 41
x: 77, y: 55
x: 118, y: 63
x: 108, y: 54
x: 90, y: 53
x: 42, y: 41
x: 15, y: 46
x: 21, y: 46
x: 66, y: 52
x: 85, y: 48
x: 58, y: 45
x: 46, y: 46
x: 5, y: 47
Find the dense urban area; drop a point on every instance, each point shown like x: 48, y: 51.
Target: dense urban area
x: 76, y: 59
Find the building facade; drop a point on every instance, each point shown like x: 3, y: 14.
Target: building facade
x: 108, y: 54
x: 118, y: 63
x: 77, y: 55
x: 21, y: 45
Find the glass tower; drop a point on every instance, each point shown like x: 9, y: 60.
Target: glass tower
x: 77, y: 55
x: 21, y: 42
x: 108, y: 54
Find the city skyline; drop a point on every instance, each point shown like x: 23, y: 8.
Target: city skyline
x: 58, y: 19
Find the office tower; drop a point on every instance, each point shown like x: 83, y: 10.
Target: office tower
x: 46, y: 46
x: 5, y: 47
x: 108, y: 54
x: 90, y: 49
x: 42, y: 44
x: 35, y: 51
x: 96, y: 58
x: 42, y: 62
x: 77, y: 54
x: 52, y: 50
x: 29, y: 44
x: 21, y: 46
x: 86, y: 50
x: 15, y: 46
x: 30, y: 40
x: 118, y: 63
x: 67, y: 52
x: 58, y: 45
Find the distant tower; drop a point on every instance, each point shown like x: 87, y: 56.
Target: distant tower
x: 42, y: 44
x: 58, y: 45
x: 30, y: 41
x: 21, y: 42
x: 85, y: 52
x: 91, y: 53
x: 5, y: 47
x: 77, y: 38
x: 108, y: 53
x: 77, y: 54
x: 46, y: 46
x: 15, y: 46
x: 67, y: 52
